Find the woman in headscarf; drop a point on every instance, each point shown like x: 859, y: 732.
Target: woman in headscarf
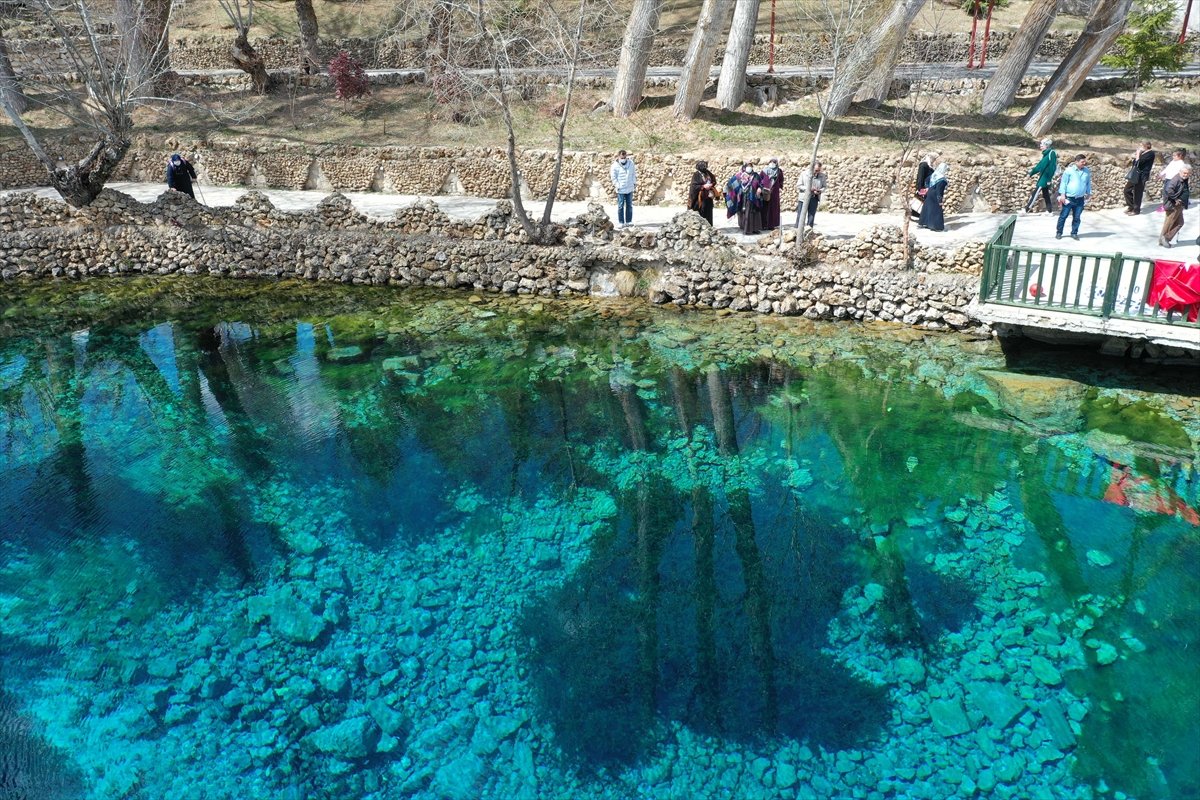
x: 931, y: 212
x: 702, y: 191
x: 737, y: 191
x: 757, y: 188
x: 921, y: 183
x: 772, y: 204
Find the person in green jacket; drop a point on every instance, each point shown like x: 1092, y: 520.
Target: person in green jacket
x: 1044, y: 171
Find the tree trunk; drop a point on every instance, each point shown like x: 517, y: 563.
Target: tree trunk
x: 572, y: 69
x: 11, y: 95
x: 1006, y: 80
x: 1133, y: 99
x: 848, y: 77
x: 80, y: 183
x: 878, y: 84
x: 146, y: 42
x: 802, y: 213
x: 249, y: 61
x: 635, y: 56
x: 696, y: 65
x: 1102, y: 29
x: 732, y: 85
x: 437, y: 40
x: 310, y: 55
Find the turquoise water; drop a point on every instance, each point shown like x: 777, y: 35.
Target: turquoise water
x: 315, y: 542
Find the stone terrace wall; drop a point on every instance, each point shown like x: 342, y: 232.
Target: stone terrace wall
x: 866, y: 184
x: 685, y: 263
x: 42, y: 55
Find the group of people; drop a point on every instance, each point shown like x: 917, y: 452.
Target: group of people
x: 1075, y: 188
x: 755, y: 196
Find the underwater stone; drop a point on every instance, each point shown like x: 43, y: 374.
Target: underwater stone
x: 1044, y: 671
x: 457, y: 780
x: 1105, y: 652
x: 785, y: 775
x: 349, y: 740
x: 909, y: 670
x: 348, y: 353
x: 1007, y: 769
x: 1055, y: 717
x: 392, y: 722
x: 1098, y: 558
x: 949, y: 718
x: 996, y: 701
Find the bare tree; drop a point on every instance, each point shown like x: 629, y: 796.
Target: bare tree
x: 110, y: 84
x: 635, y: 56
x: 538, y: 39
x: 843, y: 22
x: 731, y: 86
x: 241, y: 51
x: 693, y: 78
x: 1103, y: 27
x: 306, y: 19
x: 875, y: 41
x: 1006, y: 80
x: 10, y: 87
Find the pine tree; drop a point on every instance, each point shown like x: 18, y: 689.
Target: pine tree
x: 1147, y: 46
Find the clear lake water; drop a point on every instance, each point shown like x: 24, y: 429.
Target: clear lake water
x: 306, y: 541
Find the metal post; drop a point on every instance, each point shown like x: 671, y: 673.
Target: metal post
x: 771, y: 44
x: 1110, y: 286
x: 987, y: 31
x: 1187, y: 13
x: 974, y: 24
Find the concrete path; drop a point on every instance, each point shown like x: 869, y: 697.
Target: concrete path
x: 1106, y: 231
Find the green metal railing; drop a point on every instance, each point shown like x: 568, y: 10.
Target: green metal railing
x: 1099, y: 284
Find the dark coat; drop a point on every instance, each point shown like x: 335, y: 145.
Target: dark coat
x: 923, y: 173
x: 1176, y: 191
x: 931, y: 212
x: 772, y: 207
x: 700, y: 199
x: 1145, y: 165
x: 180, y: 178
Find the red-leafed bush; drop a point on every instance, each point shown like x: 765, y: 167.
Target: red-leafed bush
x: 349, y: 77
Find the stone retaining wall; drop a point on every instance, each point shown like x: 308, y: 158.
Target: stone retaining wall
x: 44, y: 55
x: 686, y: 263
x: 858, y: 184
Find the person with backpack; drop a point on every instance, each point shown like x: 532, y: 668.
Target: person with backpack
x: 1044, y: 170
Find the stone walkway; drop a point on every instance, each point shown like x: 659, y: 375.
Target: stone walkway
x: 1105, y: 231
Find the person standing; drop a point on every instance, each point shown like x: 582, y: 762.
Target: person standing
x: 1044, y: 170
x: 1140, y: 166
x: 1073, y: 192
x: 1176, y: 197
x: 812, y: 184
x: 702, y: 191
x: 1174, y: 165
x: 932, y: 215
x: 771, y: 210
x: 757, y: 189
x: 737, y: 193
x: 921, y: 184
x: 624, y: 179
x: 180, y: 174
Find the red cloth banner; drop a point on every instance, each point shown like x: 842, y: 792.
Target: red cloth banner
x: 1176, y: 287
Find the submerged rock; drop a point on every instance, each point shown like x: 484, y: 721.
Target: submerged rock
x: 997, y: 702
x: 349, y: 740
x: 291, y: 618
x: 949, y: 719
x: 1044, y: 671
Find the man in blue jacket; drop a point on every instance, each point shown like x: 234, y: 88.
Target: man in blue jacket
x: 624, y: 180
x: 1073, y: 191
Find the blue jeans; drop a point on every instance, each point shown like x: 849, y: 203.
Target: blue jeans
x: 625, y: 208
x: 1074, y: 207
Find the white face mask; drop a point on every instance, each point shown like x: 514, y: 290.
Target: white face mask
x: 622, y: 161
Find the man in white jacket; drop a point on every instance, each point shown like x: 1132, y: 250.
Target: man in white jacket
x: 624, y: 178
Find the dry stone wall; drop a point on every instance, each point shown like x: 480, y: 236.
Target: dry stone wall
x: 42, y: 55
x: 857, y: 184
x: 686, y: 263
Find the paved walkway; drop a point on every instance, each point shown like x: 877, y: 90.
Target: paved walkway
x: 1106, y: 231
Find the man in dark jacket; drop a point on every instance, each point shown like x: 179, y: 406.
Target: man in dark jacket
x: 180, y: 174
x: 1140, y: 166
x: 1176, y: 198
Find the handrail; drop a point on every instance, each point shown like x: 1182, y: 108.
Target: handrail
x: 1095, y: 284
